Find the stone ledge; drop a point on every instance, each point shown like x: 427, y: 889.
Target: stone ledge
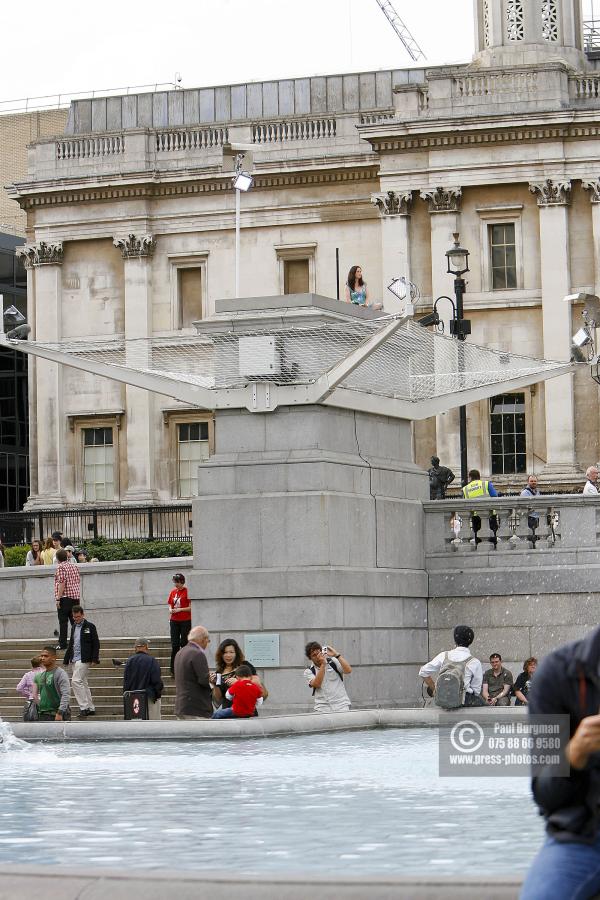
x: 61, y: 883
x: 273, y: 726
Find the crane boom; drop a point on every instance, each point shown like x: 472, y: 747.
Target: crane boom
x: 410, y: 44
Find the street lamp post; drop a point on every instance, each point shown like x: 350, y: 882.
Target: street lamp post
x: 242, y: 181
x: 458, y: 265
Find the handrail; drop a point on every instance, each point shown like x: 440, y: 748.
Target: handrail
x: 62, y: 100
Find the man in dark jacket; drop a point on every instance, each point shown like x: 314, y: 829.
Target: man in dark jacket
x: 83, y: 651
x: 142, y: 673
x: 439, y: 479
x: 568, y: 865
x: 194, y: 691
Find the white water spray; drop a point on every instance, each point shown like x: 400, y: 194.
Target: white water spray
x: 9, y: 743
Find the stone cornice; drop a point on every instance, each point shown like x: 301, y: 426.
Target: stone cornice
x: 443, y: 200
x: 392, y: 203
x: 136, y: 247
x: 551, y: 193
x: 30, y: 196
x: 43, y: 253
x: 436, y: 140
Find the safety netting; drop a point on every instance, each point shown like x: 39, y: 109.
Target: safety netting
x: 413, y: 364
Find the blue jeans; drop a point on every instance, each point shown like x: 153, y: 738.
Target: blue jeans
x: 223, y: 714
x: 564, y: 871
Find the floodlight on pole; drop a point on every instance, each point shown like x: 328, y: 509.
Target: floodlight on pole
x: 242, y: 181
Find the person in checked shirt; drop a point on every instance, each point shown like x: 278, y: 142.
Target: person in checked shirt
x: 67, y: 592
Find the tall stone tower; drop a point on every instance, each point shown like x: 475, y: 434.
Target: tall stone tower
x: 526, y: 32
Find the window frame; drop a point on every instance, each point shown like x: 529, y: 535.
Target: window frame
x: 500, y: 215
x: 172, y: 418
x: 177, y: 262
x: 292, y: 252
x: 496, y: 476
x: 78, y: 423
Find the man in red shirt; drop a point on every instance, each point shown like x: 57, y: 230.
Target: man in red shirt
x: 180, y: 620
x: 245, y: 694
x: 67, y: 594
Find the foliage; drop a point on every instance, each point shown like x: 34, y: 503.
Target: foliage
x: 107, y: 551
x: 16, y: 556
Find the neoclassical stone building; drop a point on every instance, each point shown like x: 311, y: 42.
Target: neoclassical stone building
x: 131, y: 232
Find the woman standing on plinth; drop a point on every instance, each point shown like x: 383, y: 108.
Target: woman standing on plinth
x: 357, y: 291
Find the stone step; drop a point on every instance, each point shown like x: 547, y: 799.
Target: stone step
x: 106, y: 680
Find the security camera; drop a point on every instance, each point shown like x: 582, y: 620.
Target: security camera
x: 432, y: 318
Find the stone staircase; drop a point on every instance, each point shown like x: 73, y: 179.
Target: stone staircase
x: 106, y: 680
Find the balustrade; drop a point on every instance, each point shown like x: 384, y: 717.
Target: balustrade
x: 512, y: 524
x: 487, y: 84
x: 293, y: 130
x: 584, y: 87
x: 90, y: 147
x: 191, y: 139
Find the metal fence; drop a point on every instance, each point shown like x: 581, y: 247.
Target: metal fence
x: 114, y: 523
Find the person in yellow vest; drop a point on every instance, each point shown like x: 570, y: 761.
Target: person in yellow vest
x: 477, y: 488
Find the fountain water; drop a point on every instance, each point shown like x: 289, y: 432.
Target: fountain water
x: 9, y: 743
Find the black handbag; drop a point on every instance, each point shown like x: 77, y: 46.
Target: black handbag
x: 31, y: 712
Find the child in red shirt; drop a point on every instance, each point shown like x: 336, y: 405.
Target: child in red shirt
x: 180, y: 616
x: 245, y: 694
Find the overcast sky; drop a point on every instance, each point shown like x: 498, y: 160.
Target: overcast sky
x: 71, y: 46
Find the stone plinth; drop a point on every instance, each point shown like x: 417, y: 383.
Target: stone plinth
x: 309, y: 524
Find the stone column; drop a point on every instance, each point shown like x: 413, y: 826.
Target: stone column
x: 395, y: 241
x: 593, y: 186
x: 553, y: 198
x: 444, y: 208
x: 43, y: 260
x: 137, y: 252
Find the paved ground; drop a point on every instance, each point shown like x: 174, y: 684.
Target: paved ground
x: 31, y: 883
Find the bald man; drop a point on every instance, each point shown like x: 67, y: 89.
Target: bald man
x: 192, y: 685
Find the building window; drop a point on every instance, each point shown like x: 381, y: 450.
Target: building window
x: 188, y: 290
x: 192, y: 449
x: 98, y: 464
x: 296, y: 268
x: 190, y: 295
x: 295, y: 276
x: 503, y: 256
x: 507, y: 434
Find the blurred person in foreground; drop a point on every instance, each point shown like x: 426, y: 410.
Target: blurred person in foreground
x: 568, y: 865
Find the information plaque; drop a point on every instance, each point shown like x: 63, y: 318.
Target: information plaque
x: 262, y: 650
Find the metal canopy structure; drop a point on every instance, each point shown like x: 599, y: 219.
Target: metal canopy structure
x: 390, y: 366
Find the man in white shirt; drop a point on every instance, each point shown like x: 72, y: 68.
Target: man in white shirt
x: 473, y: 679
x: 590, y: 487
x: 325, y: 676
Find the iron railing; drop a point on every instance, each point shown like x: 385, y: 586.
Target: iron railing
x: 115, y: 523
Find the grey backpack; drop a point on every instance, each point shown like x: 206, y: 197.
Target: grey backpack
x: 450, y: 685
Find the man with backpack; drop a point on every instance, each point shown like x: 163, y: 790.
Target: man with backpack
x: 454, y: 677
x: 325, y: 676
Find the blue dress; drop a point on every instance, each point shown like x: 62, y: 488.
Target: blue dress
x: 359, y: 297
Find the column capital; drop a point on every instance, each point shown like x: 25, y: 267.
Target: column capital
x: 136, y: 247
x: 42, y: 253
x: 392, y: 203
x: 551, y: 193
x: 593, y: 186
x: 442, y: 199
